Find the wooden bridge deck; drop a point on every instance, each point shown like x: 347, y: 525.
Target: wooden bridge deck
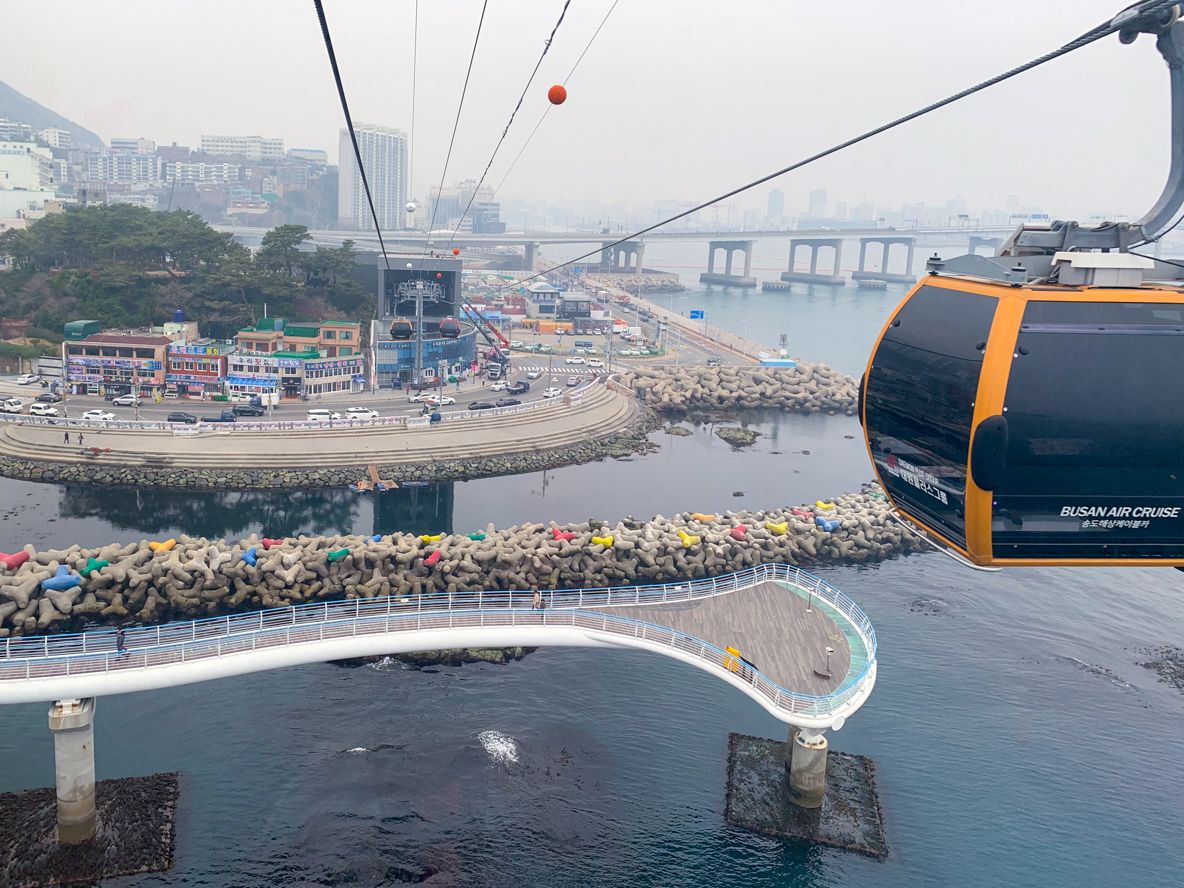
x: 769, y: 625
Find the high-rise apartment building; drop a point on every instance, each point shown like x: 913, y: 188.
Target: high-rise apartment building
x: 775, y: 208
x: 249, y: 147
x: 138, y: 145
x: 384, y: 154
x: 818, y: 203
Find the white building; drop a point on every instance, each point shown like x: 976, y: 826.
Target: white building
x: 123, y: 167
x: 56, y: 138
x: 248, y: 147
x: 134, y: 146
x: 12, y: 131
x: 26, y: 166
x: 384, y: 154
x: 188, y: 173
x: 312, y: 155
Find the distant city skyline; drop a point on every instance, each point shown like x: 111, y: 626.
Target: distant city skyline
x: 661, y: 107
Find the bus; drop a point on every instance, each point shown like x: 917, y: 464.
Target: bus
x: 585, y: 343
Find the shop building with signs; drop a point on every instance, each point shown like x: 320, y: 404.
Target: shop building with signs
x: 198, y: 368
x: 292, y: 358
x: 119, y: 362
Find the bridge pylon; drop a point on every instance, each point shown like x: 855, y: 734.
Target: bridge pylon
x: 72, y: 723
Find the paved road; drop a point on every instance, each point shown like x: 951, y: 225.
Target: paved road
x: 387, y: 402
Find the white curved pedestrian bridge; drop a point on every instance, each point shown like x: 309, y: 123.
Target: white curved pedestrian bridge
x: 782, y: 620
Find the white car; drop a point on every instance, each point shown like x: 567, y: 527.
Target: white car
x: 27, y: 379
x: 534, y: 374
x: 595, y: 363
x: 574, y: 361
x: 439, y: 400
x: 319, y: 414
x: 362, y: 413
x: 12, y: 405
x: 418, y: 397
x: 515, y: 343
x: 37, y: 408
x: 551, y: 393
x: 498, y: 387
x: 125, y: 401
x: 98, y: 416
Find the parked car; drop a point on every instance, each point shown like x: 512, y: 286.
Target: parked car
x: 439, y: 400
x: 515, y: 343
x: 575, y: 360
x: 49, y: 398
x: 506, y: 402
x: 319, y: 414
x: 546, y: 349
x: 596, y: 363
x: 714, y: 361
x: 179, y: 416
x: 517, y: 388
x: 534, y: 374
x: 247, y: 410
x: 12, y: 405
x: 362, y: 413
x: 551, y: 393
x: 224, y: 416
x: 482, y: 405
x: 27, y: 379
x: 39, y: 408
x: 573, y: 381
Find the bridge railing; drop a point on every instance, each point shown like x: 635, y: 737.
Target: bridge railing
x: 149, y: 646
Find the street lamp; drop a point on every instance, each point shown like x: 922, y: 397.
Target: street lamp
x: 825, y: 671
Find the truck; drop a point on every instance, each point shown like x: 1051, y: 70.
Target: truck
x: 493, y: 370
x: 629, y: 331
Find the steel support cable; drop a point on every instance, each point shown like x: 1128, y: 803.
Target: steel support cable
x: 510, y: 122
x: 350, y: 125
x: 456, y: 123
x: 547, y: 110
x: 1119, y: 23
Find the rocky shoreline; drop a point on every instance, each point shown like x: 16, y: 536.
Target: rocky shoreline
x: 806, y: 388
x: 148, y: 582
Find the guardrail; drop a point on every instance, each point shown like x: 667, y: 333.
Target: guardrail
x: 29, y: 658
x: 345, y: 422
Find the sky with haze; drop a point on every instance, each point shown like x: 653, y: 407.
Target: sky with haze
x: 673, y: 100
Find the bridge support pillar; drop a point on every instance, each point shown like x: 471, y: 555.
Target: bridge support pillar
x: 72, y: 724
x: 531, y: 256
x: 807, y: 767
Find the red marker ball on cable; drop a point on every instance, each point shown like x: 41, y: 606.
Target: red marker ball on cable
x: 557, y: 94
x: 456, y: 251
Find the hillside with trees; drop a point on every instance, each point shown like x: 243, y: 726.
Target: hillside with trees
x: 126, y: 266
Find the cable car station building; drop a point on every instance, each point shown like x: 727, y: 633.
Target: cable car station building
x: 449, y: 352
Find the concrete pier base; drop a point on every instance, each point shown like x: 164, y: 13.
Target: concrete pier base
x: 727, y: 280
x: 802, y: 277
x: 72, y: 723
x: 807, y: 767
x: 759, y: 797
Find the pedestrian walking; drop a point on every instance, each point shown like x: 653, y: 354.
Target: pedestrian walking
x: 536, y: 603
x: 67, y: 439
x: 120, y: 646
x: 79, y: 439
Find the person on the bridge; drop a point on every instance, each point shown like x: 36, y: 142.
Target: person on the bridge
x: 120, y: 646
x: 537, y: 603
x: 79, y: 439
x: 67, y: 439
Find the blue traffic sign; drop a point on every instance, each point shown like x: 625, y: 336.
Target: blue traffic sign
x: 697, y: 314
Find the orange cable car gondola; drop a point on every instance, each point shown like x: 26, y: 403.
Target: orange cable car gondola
x: 402, y: 329
x: 1026, y: 408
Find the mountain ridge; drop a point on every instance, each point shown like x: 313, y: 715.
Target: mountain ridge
x: 18, y: 107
